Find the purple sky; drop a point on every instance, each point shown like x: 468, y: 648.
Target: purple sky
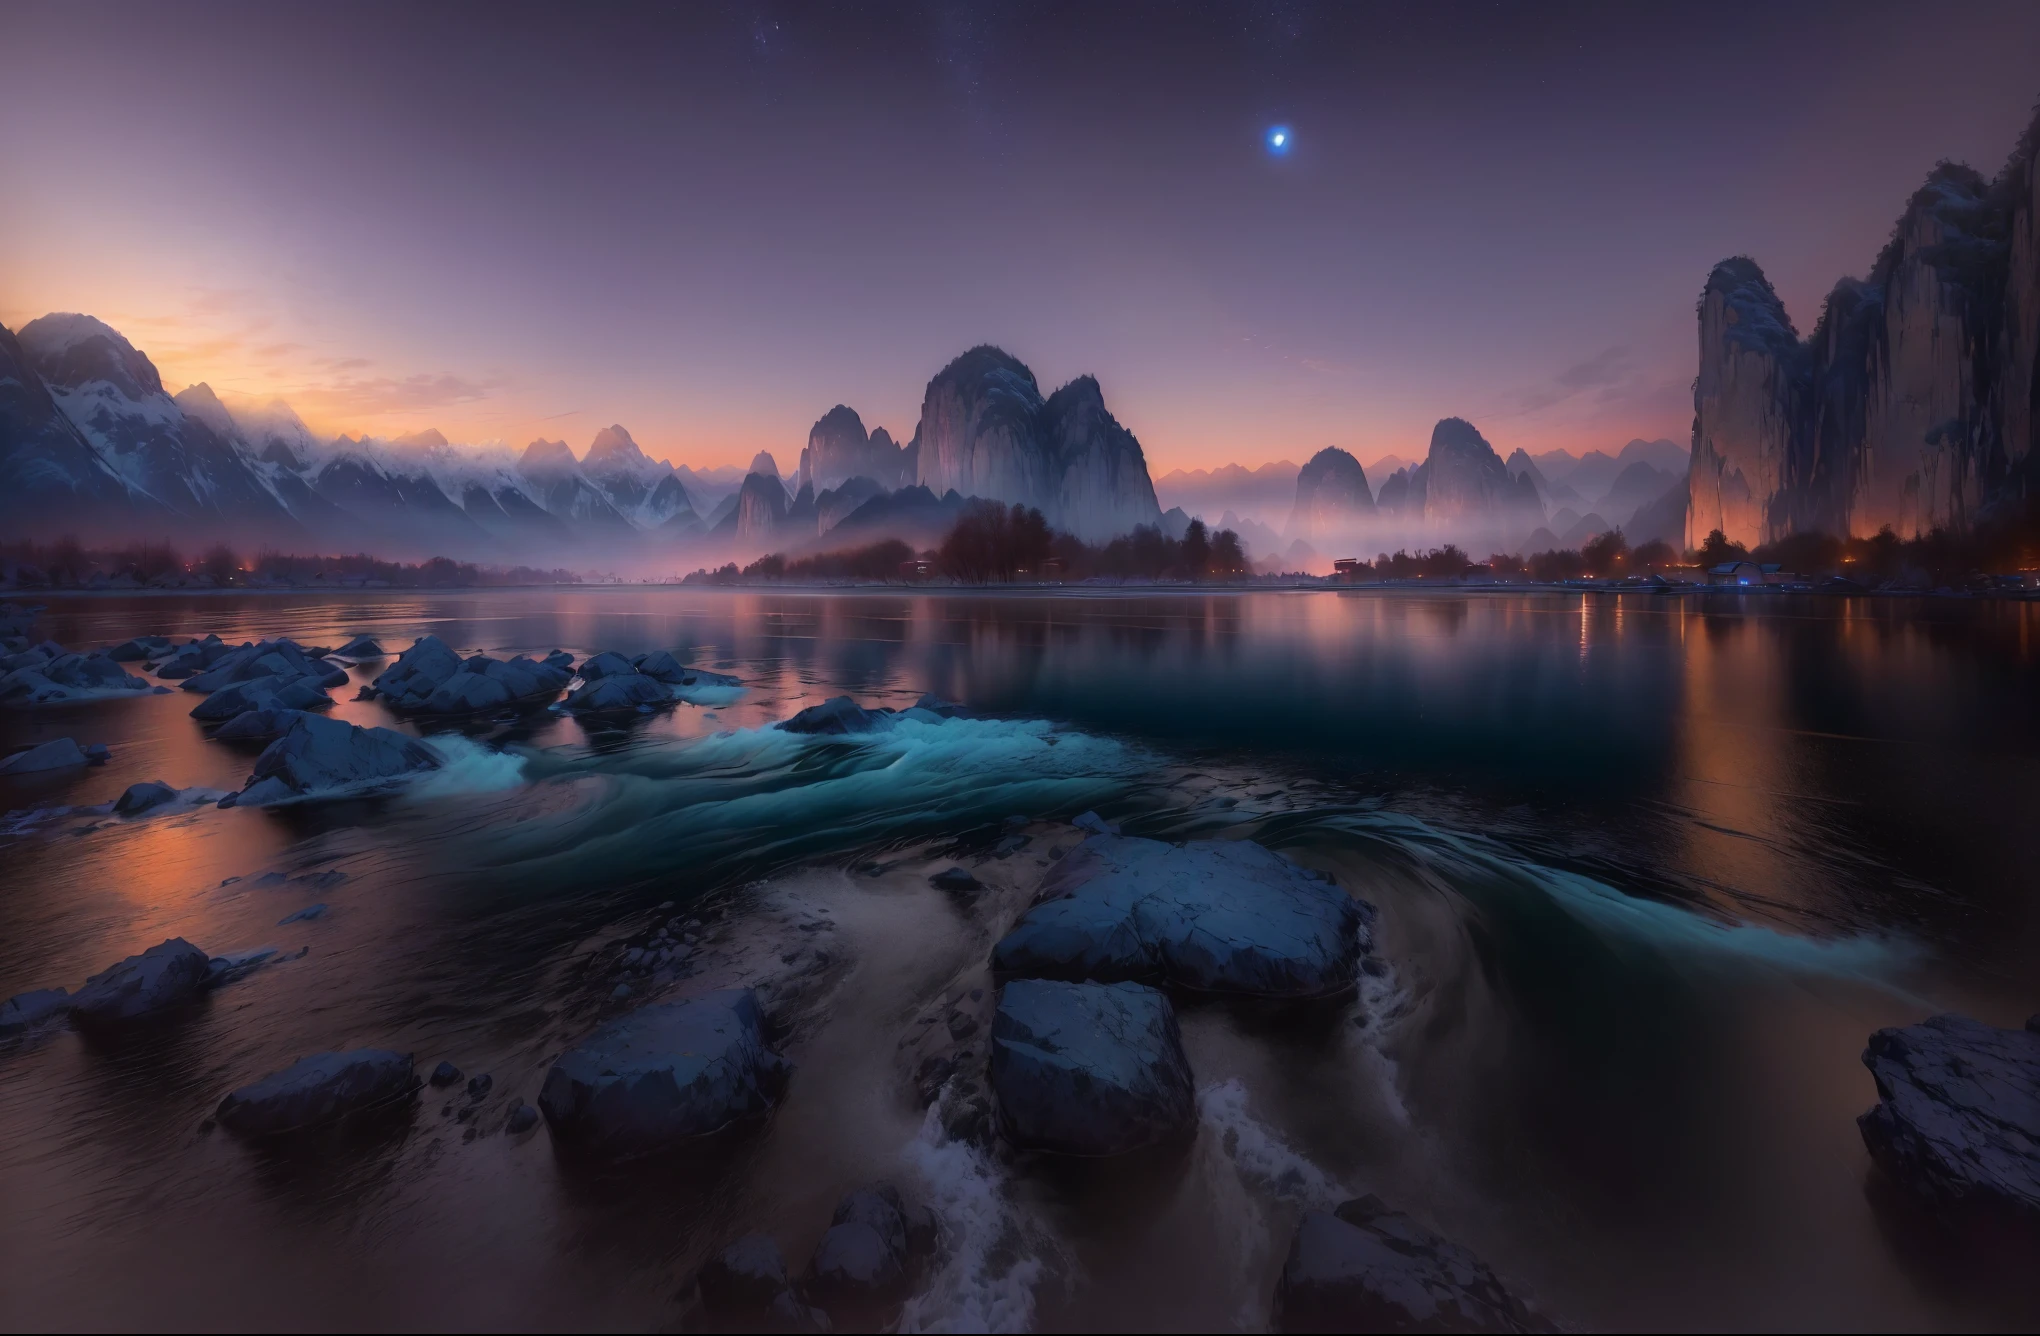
x: 710, y: 226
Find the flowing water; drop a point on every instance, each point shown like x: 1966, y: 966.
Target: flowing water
x: 1649, y: 871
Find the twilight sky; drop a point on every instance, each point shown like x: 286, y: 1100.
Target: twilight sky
x: 712, y: 225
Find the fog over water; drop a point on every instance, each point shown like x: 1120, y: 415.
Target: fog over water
x: 1649, y: 870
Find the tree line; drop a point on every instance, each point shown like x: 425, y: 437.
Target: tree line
x: 68, y: 563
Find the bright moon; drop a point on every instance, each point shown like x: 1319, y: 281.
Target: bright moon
x: 1278, y: 140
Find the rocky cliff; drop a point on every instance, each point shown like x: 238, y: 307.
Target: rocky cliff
x: 1465, y: 481
x: 1331, y: 497
x: 839, y: 449
x: 1912, y: 403
x: 986, y: 431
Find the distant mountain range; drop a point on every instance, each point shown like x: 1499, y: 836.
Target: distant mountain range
x: 92, y: 445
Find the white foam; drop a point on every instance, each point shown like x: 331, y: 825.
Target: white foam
x: 991, y: 1256
x: 470, y: 768
x: 1264, y: 1160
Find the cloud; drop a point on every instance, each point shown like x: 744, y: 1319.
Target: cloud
x: 379, y: 395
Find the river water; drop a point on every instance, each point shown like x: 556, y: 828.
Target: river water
x: 1649, y: 870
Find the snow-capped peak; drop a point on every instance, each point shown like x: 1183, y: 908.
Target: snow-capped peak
x: 60, y: 331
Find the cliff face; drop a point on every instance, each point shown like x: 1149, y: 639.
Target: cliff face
x: 986, y: 431
x: 50, y: 478
x: 1331, y: 496
x: 1912, y: 404
x: 1465, y: 480
x: 1744, y: 406
x: 839, y: 449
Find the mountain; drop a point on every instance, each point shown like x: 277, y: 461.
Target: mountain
x: 1466, y: 481
x: 758, y: 512
x: 1912, y: 403
x: 986, y: 431
x: 1636, y: 486
x: 1331, y: 496
x: 1662, y: 455
x: 1267, y: 491
x: 51, y: 479
x: 643, y: 490
x: 838, y: 449
x: 176, y: 472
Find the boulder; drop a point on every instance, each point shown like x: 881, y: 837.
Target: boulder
x: 664, y: 1074
x: 1219, y: 916
x: 91, y: 672
x: 1089, y: 1069
x: 56, y: 754
x: 1364, y: 1267
x: 445, y: 1074
x: 321, y: 755
x: 954, y: 879
x: 269, y: 658
x: 662, y: 666
x: 617, y: 693
x: 361, y: 647
x: 139, y: 649
x: 483, y: 683
x: 63, y: 676
x: 26, y: 1011
x: 837, y: 715
x: 418, y: 672
x: 192, y: 657
x: 606, y: 664
x: 280, y: 691
x: 164, y: 977
x: 868, y: 1254
x: 263, y: 724
x: 559, y: 658
x: 1957, y: 1121
x: 141, y: 797
x: 319, y: 1089
x: 747, y: 1282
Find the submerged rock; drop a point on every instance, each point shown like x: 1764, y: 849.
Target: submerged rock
x: 1364, y: 1267
x: 837, y: 715
x: 56, y: 754
x: 361, y: 647
x: 445, y: 1074
x: 322, y: 755
x: 662, y: 666
x: 664, y: 1074
x: 606, y: 664
x: 1957, y: 1121
x: 139, y: 798
x: 164, y: 977
x: 1088, y: 1068
x: 282, y: 659
x: 747, y: 1282
x: 954, y: 879
x: 139, y: 649
x: 418, y: 672
x: 62, y: 676
x: 26, y: 1011
x: 317, y: 1090
x: 1222, y: 916
x: 521, y: 1120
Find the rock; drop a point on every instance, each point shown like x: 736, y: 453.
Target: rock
x: 98, y: 753
x: 164, y: 977
x: 139, y: 798
x: 745, y: 1278
x: 664, y: 1074
x: 662, y: 666
x: 1222, y: 916
x: 409, y: 682
x: 320, y: 755
x: 1095, y: 824
x: 521, y: 1120
x: 445, y: 1074
x: 954, y: 879
x: 483, y: 684
x: 1089, y: 1069
x: 258, y: 725
x: 305, y: 915
x: 618, y: 693
x: 361, y: 647
x: 1957, y: 1121
x: 478, y: 1087
x: 606, y: 664
x: 276, y: 692
x: 559, y: 658
x: 236, y: 964
x: 25, y: 1011
x: 317, y: 1090
x: 837, y: 715
x: 191, y: 658
x: 138, y: 649
x: 57, y: 754
x: 1367, y: 1268
x: 284, y: 659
